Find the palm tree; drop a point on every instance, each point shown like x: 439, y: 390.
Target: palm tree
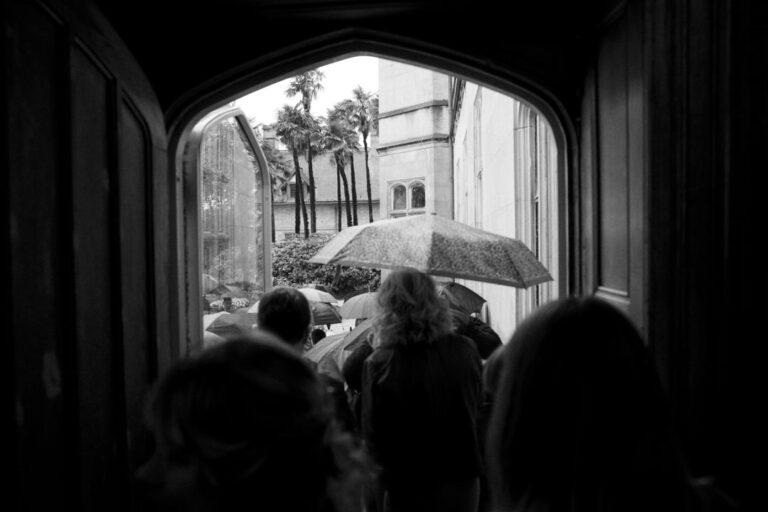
x: 308, y: 84
x: 290, y: 128
x: 344, y: 113
x: 366, y: 115
x: 337, y: 140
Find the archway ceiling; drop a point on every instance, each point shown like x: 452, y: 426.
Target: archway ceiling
x: 184, y: 45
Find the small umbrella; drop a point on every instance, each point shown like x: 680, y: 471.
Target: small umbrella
x: 231, y: 324
x: 461, y: 297
x: 315, y: 295
x: 331, y: 352
x: 437, y: 246
x: 324, y: 313
x: 364, y: 305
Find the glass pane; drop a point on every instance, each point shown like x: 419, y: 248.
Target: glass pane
x: 232, y: 219
x: 398, y: 197
x: 417, y: 196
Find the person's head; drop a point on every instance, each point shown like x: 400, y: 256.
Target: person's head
x: 243, y: 423
x: 285, y: 312
x: 410, y: 310
x: 317, y: 335
x: 580, y: 421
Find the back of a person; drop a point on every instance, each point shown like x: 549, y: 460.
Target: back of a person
x: 580, y: 422
x: 421, y: 393
x: 427, y: 401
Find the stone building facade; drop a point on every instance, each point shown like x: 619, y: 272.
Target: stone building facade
x: 484, y: 158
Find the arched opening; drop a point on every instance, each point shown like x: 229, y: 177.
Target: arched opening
x: 412, y: 195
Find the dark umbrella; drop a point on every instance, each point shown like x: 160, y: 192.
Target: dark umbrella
x: 461, y: 297
x: 324, y: 313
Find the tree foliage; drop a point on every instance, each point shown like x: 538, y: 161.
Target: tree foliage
x: 291, y: 267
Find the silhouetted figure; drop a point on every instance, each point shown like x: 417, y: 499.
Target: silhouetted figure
x: 244, y: 426
x: 285, y: 312
x: 485, y: 338
x: 580, y: 422
x: 421, y: 393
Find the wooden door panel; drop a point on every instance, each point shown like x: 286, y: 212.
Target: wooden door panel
x: 85, y: 152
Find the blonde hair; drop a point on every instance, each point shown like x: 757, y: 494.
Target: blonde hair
x: 411, y: 311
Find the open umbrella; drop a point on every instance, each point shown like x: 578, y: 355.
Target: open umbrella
x: 461, y: 297
x: 437, y: 246
x: 327, y: 353
x: 324, y: 313
x: 364, y: 305
x: 230, y: 324
x: 358, y: 335
x: 315, y: 295
x: 331, y: 352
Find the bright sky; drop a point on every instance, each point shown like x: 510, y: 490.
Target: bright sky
x: 341, y: 78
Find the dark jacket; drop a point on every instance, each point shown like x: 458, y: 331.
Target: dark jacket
x: 419, y: 412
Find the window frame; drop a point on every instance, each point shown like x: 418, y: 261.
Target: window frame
x: 192, y: 335
x: 408, y: 184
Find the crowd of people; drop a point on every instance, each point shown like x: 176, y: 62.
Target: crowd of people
x: 433, y: 415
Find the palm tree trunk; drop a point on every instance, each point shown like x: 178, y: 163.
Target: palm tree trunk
x: 312, y: 208
x: 272, y: 211
x: 338, y: 193
x: 368, y: 180
x: 297, y: 179
x: 345, y: 182
x: 354, y: 187
x: 300, y: 193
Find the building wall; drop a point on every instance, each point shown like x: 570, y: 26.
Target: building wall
x: 414, y: 123
x: 326, y: 217
x: 497, y: 143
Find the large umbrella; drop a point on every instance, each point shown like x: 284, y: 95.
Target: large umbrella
x: 437, y: 246
x: 364, y: 305
x: 461, y: 297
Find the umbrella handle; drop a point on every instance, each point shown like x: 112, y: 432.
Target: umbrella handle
x: 336, y: 276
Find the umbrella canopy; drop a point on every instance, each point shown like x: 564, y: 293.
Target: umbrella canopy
x: 364, y: 305
x: 331, y: 352
x: 230, y: 324
x: 461, y: 297
x: 327, y: 353
x: 324, y: 313
x: 358, y: 335
x: 315, y: 295
x: 437, y: 246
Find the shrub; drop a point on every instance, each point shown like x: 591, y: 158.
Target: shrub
x: 291, y: 267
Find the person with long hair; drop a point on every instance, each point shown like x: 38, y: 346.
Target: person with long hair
x: 580, y: 422
x: 421, y: 393
x: 244, y: 426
